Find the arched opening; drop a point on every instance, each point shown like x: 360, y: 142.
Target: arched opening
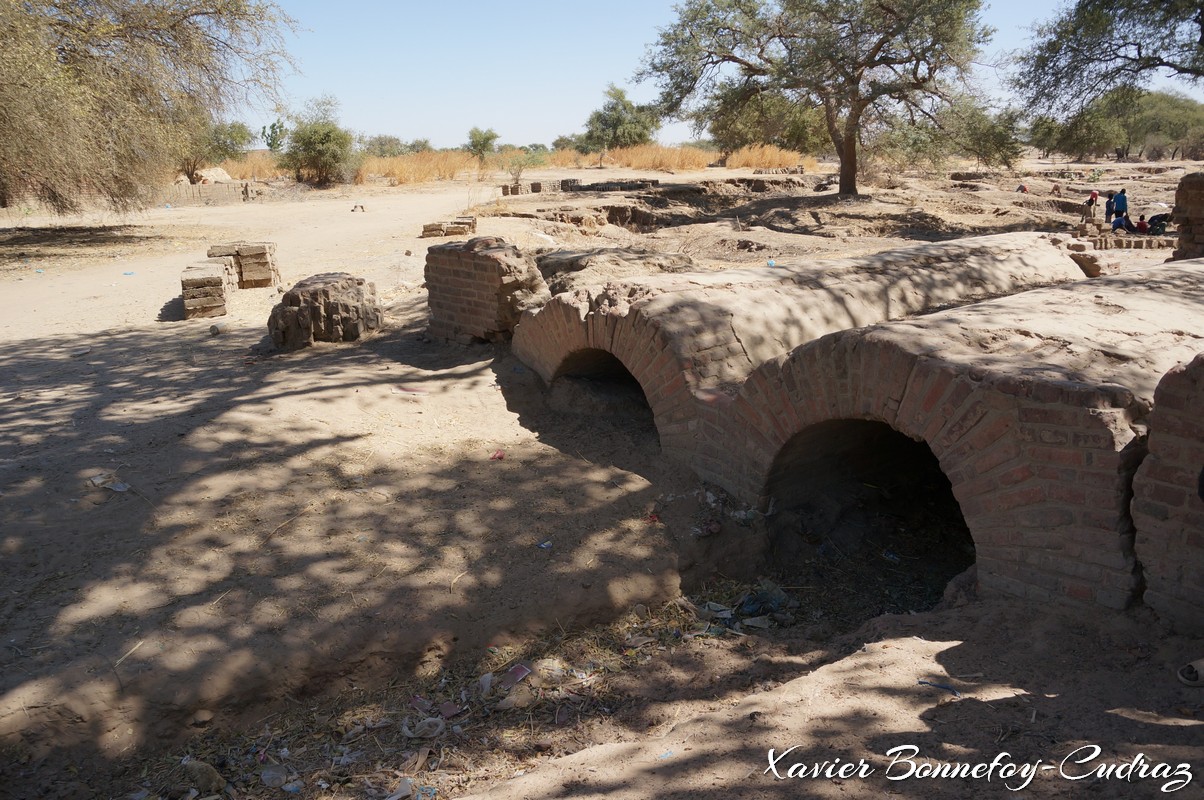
x: 594, y: 383
x: 865, y: 514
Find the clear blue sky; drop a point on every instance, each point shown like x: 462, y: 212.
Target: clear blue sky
x: 531, y: 70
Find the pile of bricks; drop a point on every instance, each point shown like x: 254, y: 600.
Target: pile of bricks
x: 534, y: 187
x: 799, y: 170
x: 254, y: 263
x: 1189, y: 216
x: 204, y: 286
x: 460, y: 226
x: 1133, y: 242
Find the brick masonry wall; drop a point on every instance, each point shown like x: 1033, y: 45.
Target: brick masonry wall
x: 1168, y: 499
x: 477, y: 289
x: 1189, y: 216
x: 1039, y: 469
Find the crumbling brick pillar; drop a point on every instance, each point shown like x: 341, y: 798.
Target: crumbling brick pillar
x: 1189, y: 217
x: 1168, y: 499
x: 478, y: 289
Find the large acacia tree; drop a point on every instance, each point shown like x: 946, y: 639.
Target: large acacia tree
x: 845, y: 57
x: 98, y: 95
x: 1095, y: 46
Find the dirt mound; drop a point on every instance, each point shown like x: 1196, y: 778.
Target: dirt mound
x: 566, y: 270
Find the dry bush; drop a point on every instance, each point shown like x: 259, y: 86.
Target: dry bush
x: 566, y: 159
x: 768, y: 156
x: 659, y: 157
x: 257, y: 165
x: 432, y: 165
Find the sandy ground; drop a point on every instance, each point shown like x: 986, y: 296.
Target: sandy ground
x: 310, y: 535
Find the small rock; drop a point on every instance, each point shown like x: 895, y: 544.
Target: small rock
x: 202, y: 718
x: 204, y: 777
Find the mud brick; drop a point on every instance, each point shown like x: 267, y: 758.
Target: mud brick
x: 206, y: 311
x: 219, y: 250
x: 204, y: 302
x: 262, y: 248
x: 203, y: 275
x: 204, y: 291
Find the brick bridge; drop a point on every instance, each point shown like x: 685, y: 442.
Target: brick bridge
x: 1036, y: 404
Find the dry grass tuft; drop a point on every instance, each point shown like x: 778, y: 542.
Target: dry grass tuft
x: 257, y: 165
x: 768, y: 156
x: 658, y: 157
x: 442, y: 165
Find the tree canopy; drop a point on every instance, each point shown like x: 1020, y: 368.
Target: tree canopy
x: 619, y: 123
x: 844, y: 57
x: 1095, y: 46
x: 93, y: 94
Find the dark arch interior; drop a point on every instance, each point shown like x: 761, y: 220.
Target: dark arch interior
x: 862, y: 509
x: 595, y: 384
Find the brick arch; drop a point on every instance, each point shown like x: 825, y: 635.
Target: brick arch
x: 1047, y: 520
x: 565, y: 330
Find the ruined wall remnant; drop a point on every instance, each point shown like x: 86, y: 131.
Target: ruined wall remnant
x: 478, y: 289
x: 1189, y: 216
x: 1168, y: 499
x: 334, y: 307
x: 254, y: 263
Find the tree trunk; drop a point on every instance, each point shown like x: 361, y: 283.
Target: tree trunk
x: 848, y: 160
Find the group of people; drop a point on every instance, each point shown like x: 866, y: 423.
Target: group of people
x: 1116, y: 214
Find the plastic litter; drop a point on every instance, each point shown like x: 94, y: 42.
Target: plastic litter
x: 127, y: 273
x: 274, y: 775
x: 405, y: 788
x: 956, y: 693
x: 513, y: 676
x: 664, y: 755
x: 498, y: 455
x: 545, y: 545
x: 294, y: 787
x: 771, y: 263
x: 429, y: 728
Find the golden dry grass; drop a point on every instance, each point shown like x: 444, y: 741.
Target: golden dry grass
x: 659, y: 157
x: 767, y: 156
x: 441, y: 165
x: 255, y: 165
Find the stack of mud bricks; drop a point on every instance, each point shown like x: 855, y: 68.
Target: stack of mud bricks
x: 534, y: 187
x: 460, y: 226
x: 478, y: 289
x: 204, y: 287
x: 1189, y: 216
x: 1168, y: 500
x: 254, y: 262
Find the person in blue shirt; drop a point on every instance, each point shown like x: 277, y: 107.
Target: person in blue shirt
x: 1122, y: 221
x: 1110, y: 207
x: 1122, y: 203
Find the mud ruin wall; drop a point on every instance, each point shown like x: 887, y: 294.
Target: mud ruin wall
x: 1035, y: 404
x: 1189, y: 216
x: 478, y: 289
x: 1168, y: 499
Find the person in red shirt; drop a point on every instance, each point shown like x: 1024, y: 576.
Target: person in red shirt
x: 1142, y: 225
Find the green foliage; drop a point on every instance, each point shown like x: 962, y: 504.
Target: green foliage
x: 992, y: 139
x: 274, y: 135
x: 482, y: 144
x: 1125, y: 122
x: 573, y: 141
x: 848, y: 58
x: 518, y: 160
x: 1095, y: 46
x: 619, y: 123
x: 383, y: 146
x: 318, y: 150
x: 100, y: 96
x: 212, y: 143
x: 735, y: 119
